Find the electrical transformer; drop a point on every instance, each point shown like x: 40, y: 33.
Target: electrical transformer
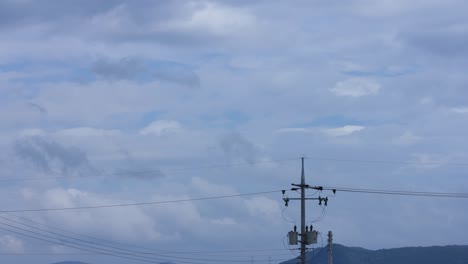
x: 311, y: 237
x: 292, y: 236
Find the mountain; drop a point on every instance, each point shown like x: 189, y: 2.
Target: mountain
x: 406, y: 255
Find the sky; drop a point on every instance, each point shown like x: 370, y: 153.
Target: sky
x: 140, y: 101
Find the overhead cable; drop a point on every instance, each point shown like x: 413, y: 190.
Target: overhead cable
x: 140, y: 203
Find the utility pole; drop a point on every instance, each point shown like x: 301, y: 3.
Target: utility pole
x: 307, y: 236
x: 303, y: 236
x: 330, y: 244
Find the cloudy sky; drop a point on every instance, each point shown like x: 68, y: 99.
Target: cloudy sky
x: 142, y: 100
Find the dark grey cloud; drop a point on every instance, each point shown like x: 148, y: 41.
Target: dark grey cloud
x: 121, y: 69
x: 178, y: 75
x: 136, y: 69
x: 450, y: 40
x: 236, y: 146
x: 139, y: 173
x: 20, y: 13
x: 286, y: 84
x: 52, y: 157
x: 133, y: 168
x: 37, y: 107
x: 109, y: 21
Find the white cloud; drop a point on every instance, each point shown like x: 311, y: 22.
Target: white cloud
x: 406, y: 139
x: 184, y: 216
x: 113, y: 20
x: 269, y: 83
x: 11, y: 244
x: 428, y: 161
x: 356, y: 87
x: 32, y: 132
x: 163, y: 222
x: 208, y: 188
x: 342, y: 131
x: 333, y: 132
x: 426, y: 100
x: 162, y: 127
x: 132, y: 223
x: 28, y: 193
x: 460, y: 110
x: 215, y: 19
x: 263, y: 206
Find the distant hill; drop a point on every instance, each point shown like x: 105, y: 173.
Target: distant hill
x: 356, y: 255
x: 78, y: 262
x: 407, y: 255
x: 70, y: 262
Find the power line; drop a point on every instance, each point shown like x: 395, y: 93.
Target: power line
x: 74, y: 247
x: 320, y: 217
x: 119, y: 248
x: 162, y: 172
x: 101, y: 246
x: 146, y: 257
x: 387, y: 161
x: 399, y: 192
x: 99, y: 254
x: 406, y: 194
x: 210, y: 166
x: 67, y: 243
x: 355, y: 190
x: 205, y: 253
x: 70, y: 237
x: 139, y: 204
x: 372, y: 191
x: 50, y: 254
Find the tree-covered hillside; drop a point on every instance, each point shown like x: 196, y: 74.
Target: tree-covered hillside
x: 407, y: 255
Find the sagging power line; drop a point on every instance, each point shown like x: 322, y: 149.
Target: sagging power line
x: 156, y: 172
x: 396, y: 192
x: 388, y: 161
x: 256, y: 252
x: 29, y: 231
x: 140, y: 203
x: 352, y: 190
x: 224, y: 165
